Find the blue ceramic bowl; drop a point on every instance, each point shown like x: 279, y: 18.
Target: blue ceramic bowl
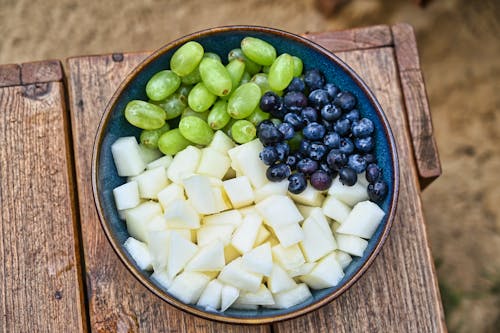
x: 221, y: 40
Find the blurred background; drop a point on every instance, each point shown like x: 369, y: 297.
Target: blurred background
x: 459, y: 46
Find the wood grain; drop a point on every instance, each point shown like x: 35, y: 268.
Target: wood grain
x: 41, y: 71
x: 40, y: 280
x: 10, y: 75
x: 399, y: 291
x: 117, y: 301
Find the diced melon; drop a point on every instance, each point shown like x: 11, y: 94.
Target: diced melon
x: 137, y: 219
x: 221, y: 200
x: 327, y: 273
x: 184, y: 233
x: 126, y: 195
x: 248, y: 210
x: 349, y: 195
x: 239, y: 191
x: 351, y: 244
x: 343, y: 258
x: 210, y: 298
x: 188, y: 286
x: 221, y: 142
x: 237, y: 276
x: 259, y: 260
x: 200, y: 194
x: 184, y: 164
x: 261, y: 297
x: 336, y: 209
x: 151, y: 182
x: 231, y: 217
x: 303, y: 269
x: 230, y: 253
x: 316, y: 243
x: 157, y: 223
x: 127, y: 156
x: 279, y: 280
x: 209, y: 233
x: 228, y: 296
x: 208, y: 258
x: 246, y: 157
x: 240, y: 306
x: 289, y: 234
x: 149, y: 154
x: 320, y: 218
x: 158, y: 247
x: 363, y: 220
x: 163, y: 161
x: 213, y: 163
x: 262, y: 236
x: 170, y: 193
x: 289, y: 298
x: 305, y: 210
x: 180, y: 214
x: 288, y: 257
x: 271, y: 188
x: 139, y: 252
x: 278, y: 210
x: 362, y: 179
x: 161, y: 277
x: 180, y: 251
x: 246, y: 233
x: 215, y: 182
x: 310, y: 196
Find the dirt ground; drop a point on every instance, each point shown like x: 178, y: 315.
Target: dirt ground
x: 460, y: 54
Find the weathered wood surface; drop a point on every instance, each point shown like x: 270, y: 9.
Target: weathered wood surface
x: 117, y: 301
x: 40, y: 277
x: 31, y: 72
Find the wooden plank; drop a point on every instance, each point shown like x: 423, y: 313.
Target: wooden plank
x: 417, y: 104
x: 117, y: 301
x: 40, y: 278
x: 399, y: 291
x: 10, y: 75
x: 353, y: 39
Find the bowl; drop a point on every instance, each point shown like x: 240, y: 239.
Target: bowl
x: 221, y: 40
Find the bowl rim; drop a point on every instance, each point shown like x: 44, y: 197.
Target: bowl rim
x: 116, y: 245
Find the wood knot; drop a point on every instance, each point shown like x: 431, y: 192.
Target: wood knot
x: 58, y: 295
x: 117, y: 57
x: 37, y: 90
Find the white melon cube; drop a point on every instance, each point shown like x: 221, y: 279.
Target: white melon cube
x: 127, y: 156
x: 210, y: 298
x: 237, y: 276
x: 157, y: 223
x: 259, y: 260
x: 200, y: 194
x: 213, y: 163
x: 336, y: 209
x: 122, y: 214
x: 248, y: 210
x: 279, y: 280
x: 180, y: 214
x: 262, y: 236
x: 289, y: 298
x: 137, y: 219
x: 288, y: 257
x: 246, y: 158
x: 362, y: 179
x: 327, y: 273
x: 163, y: 161
x: 289, y: 234
x: 317, y: 214
x: 148, y: 154
x: 231, y: 217
x: 316, y: 243
x: 310, y: 196
x: 305, y: 210
x: 158, y: 247
x: 221, y: 142
x: 228, y: 296
x: 161, y: 277
x: 221, y: 200
x: 184, y: 164
x: 351, y: 244
x: 210, y: 233
x: 343, y: 258
x: 246, y: 233
x: 239, y: 191
x: 180, y: 251
x: 230, y: 253
x: 261, y: 297
x: 184, y: 233
x: 303, y: 269
x: 126, y: 195
x: 139, y: 252
x: 278, y: 210
x: 349, y: 195
x: 208, y: 258
x: 170, y: 193
x: 188, y: 286
x: 363, y: 220
x: 240, y: 306
x: 151, y: 182
x: 271, y: 188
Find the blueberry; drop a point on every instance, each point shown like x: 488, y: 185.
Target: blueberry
x: 318, y: 98
x: 332, y: 140
x: 352, y: 115
x: 342, y: 127
x: 297, y: 84
x: 269, y: 134
x: 283, y: 149
x: 321, y: 180
x: 362, y: 128
x: 370, y: 158
x: 278, y: 172
x: 348, y: 176
x: 377, y: 191
x: 324, y: 166
x: 287, y: 130
x: 304, y: 147
x: 357, y: 163
x: 270, y: 101
x: 345, y: 100
x: 295, y: 101
x: 314, y: 131
x: 317, y: 151
x: 299, y: 155
x: 364, y: 145
x: 307, y: 166
x: 331, y: 112
x: 336, y: 159
x: 314, y: 79
x: 297, y: 183
x: 291, y: 161
x: 278, y: 112
x: 372, y: 173
x: 309, y: 114
x: 328, y: 125
x: 332, y: 90
x: 269, y: 155
x: 346, y: 146
x: 295, y: 120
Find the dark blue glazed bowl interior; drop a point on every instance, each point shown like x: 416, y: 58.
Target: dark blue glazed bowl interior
x: 221, y: 41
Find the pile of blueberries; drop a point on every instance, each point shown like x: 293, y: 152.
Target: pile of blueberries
x: 315, y: 133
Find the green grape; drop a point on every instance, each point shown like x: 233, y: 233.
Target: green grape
x: 196, y: 130
x: 258, y: 51
x: 257, y: 116
x: 173, y: 105
x: 236, y: 69
x: 162, y: 85
x: 250, y: 66
x: 262, y: 81
x: 298, y: 66
x: 186, y: 58
x: 215, y: 77
x: 200, y: 98
x: 172, y: 142
x: 294, y: 142
x: 281, y: 72
x: 227, y: 128
x: 218, y: 116
x: 243, y: 131
x: 212, y: 55
x: 188, y: 112
x: 265, y: 69
x: 193, y: 77
x: 149, y: 138
x: 145, y: 115
x: 245, y: 78
x: 244, y: 100
x: 184, y: 90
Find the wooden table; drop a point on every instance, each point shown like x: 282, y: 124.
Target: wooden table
x: 59, y: 274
